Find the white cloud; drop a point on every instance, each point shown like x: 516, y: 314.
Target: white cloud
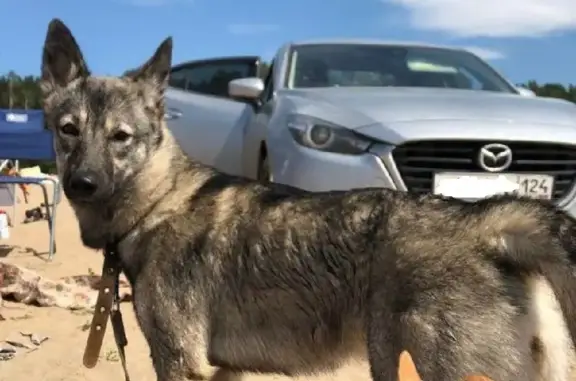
x: 491, y: 18
x: 485, y: 53
x: 245, y: 29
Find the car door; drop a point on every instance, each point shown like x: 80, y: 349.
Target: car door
x: 255, y: 131
x: 205, y: 121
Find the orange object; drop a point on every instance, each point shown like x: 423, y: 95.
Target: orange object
x: 407, y: 370
x: 23, y: 187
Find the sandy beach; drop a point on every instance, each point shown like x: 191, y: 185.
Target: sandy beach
x: 59, y: 358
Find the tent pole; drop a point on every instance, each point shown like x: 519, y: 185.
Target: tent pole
x: 17, y: 166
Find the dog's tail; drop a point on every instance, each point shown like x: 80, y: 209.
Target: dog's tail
x: 535, y: 238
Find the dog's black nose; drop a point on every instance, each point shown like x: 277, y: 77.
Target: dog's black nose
x: 83, y: 184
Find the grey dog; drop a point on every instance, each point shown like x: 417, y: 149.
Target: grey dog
x: 232, y: 276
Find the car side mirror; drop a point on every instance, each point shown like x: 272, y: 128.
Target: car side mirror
x: 525, y: 92
x: 246, y: 88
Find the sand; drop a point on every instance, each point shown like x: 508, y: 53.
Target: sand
x: 60, y: 357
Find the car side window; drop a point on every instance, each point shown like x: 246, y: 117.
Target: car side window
x: 209, y: 78
x: 178, y: 79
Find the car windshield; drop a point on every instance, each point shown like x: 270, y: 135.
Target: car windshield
x: 339, y: 65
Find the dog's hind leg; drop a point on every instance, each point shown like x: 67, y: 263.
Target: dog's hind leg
x: 389, y: 334
x: 448, y: 338
x: 450, y: 341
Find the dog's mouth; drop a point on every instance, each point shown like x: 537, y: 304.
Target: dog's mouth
x: 97, y: 199
x: 82, y: 202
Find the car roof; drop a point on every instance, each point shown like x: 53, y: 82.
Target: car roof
x: 214, y: 59
x: 364, y: 41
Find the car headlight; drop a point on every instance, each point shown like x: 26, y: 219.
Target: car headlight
x: 325, y: 136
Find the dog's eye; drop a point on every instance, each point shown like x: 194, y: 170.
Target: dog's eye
x: 121, y: 136
x: 70, y: 129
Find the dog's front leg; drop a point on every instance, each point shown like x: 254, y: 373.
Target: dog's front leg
x: 174, y: 362
x: 384, y: 340
x: 217, y: 375
x: 181, y: 356
x: 177, y: 339
x: 226, y: 375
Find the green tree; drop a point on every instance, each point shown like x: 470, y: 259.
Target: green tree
x: 553, y: 90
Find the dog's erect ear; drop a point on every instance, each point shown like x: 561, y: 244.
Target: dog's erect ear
x: 157, y: 69
x: 62, y: 60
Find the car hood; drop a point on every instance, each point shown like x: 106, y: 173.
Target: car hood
x: 393, y: 104
x: 398, y: 114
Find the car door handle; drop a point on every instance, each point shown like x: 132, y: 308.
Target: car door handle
x: 172, y: 113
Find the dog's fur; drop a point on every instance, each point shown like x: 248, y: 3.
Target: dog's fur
x: 233, y: 276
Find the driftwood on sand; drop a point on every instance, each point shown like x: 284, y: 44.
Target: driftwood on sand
x: 76, y: 292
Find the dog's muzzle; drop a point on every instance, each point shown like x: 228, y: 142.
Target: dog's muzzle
x: 85, y: 186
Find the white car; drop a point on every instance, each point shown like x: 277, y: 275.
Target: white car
x: 350, y: 114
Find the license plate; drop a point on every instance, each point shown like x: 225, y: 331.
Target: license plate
x: 476, y: 186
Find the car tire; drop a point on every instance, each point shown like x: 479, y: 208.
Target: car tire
x: 264, y: 174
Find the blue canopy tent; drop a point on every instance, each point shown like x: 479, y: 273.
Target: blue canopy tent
x: 23, y: 137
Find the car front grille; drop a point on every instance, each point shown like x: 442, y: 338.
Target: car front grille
x: 418, y: 161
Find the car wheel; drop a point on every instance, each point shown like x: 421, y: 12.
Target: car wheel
x: 264, y: 173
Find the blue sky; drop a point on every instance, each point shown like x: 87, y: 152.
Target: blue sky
x: 524, y: 39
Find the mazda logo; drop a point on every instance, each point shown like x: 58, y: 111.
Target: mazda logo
x: 495, y: 157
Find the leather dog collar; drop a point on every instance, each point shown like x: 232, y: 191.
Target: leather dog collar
x: 107, y: 305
